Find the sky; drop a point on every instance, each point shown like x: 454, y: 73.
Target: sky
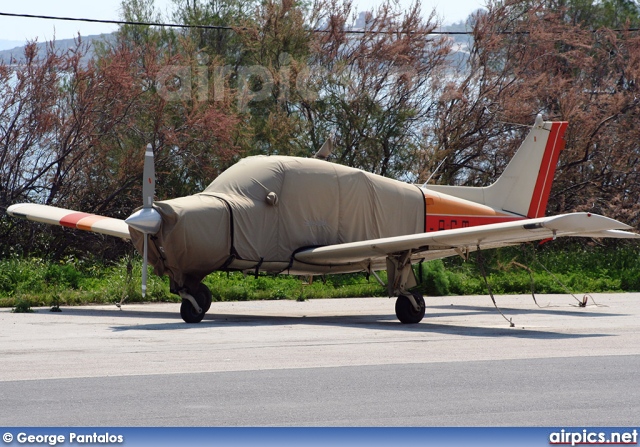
x: 22, y: 29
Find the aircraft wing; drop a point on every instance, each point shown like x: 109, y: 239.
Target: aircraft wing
x: 72, y: 219
x: 463, y: 239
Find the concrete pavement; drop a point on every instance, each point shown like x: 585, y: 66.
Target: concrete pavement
x: 141, y: 339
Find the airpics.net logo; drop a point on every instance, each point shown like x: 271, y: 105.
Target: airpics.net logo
x: 586, y: 437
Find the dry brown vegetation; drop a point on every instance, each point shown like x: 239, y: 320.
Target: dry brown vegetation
x: 289, y: 75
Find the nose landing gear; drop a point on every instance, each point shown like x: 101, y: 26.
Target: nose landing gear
x: 195, y: 304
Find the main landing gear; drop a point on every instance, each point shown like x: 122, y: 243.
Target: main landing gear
x: 410, y: 308
x: 195, y: 303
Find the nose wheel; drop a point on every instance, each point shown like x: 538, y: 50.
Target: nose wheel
x: 195, y: 304
x: 409, y: 312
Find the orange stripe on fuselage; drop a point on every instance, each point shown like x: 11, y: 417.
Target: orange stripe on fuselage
x: 435, y: 222
x: 446, y: 212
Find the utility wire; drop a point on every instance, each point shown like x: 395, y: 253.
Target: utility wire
x: 178, y: 25
x: 231, y: 28
x: 114, y: 22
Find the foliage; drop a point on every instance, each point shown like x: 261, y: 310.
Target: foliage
x: 74, y: 131
x: 298, y: 76
x: 567, y: 60
x: 559, y: 267
x: 565, y: 267
x: 377, y: 89
x: 22, y: 306
x: 74, y: 281
x: 74, y: 128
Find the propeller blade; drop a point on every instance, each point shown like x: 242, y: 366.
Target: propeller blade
x: 148, y: 179
x: 146, y: 220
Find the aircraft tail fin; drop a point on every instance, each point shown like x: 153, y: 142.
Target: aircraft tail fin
x: 524, y: 186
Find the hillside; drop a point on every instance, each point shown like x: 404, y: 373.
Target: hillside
x: 11, y: 50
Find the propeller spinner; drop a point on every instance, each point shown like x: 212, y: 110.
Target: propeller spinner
x: 146, y: 220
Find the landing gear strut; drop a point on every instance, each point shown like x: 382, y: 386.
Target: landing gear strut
x: 410, y: 307
x: 195, y: 304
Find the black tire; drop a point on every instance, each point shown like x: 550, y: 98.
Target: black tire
x: 203, y: 297
x: 189, y: 314
x: 405, y: 311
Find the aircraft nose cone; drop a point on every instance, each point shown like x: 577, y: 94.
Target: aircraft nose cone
x: 145, y: 220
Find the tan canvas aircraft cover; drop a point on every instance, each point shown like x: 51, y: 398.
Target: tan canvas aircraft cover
x: 265, y: 208
x: 193, y: 239
x: 318, y: 203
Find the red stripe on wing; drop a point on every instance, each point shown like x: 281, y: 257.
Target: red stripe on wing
x: 71, y: 220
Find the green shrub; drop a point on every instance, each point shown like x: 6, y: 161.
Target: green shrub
x: 630, y: 280
x: 236, y: 293
x: 435, y: 279
x: 278, y: 294
x: 65, y: 276
x: 20, y: 274
x: 22, y: 306
x: 578, y: 267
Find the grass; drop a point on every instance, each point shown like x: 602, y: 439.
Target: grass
x: 561, y: 268
x: 22, y: 306
x: 73, y: 281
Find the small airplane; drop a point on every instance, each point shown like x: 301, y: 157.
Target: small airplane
x: 307, y: 216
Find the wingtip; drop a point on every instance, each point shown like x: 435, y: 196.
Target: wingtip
x: 13, y: 210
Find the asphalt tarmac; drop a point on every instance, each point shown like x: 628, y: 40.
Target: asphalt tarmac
x: 334, y: 362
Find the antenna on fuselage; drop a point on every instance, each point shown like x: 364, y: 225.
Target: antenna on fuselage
x: 326, y: 148
x: 434, y: 172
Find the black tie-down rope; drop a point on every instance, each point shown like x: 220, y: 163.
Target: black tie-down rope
x: 581, y: 302
x: 128, y: 278
x: 480, y: 261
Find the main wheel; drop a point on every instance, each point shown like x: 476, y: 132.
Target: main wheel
x: 406, y: 313
x: 202, y: 295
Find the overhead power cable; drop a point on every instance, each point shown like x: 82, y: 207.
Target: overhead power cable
x: 231, y: 28
x: 178, y: 25
x: 113, y: 22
